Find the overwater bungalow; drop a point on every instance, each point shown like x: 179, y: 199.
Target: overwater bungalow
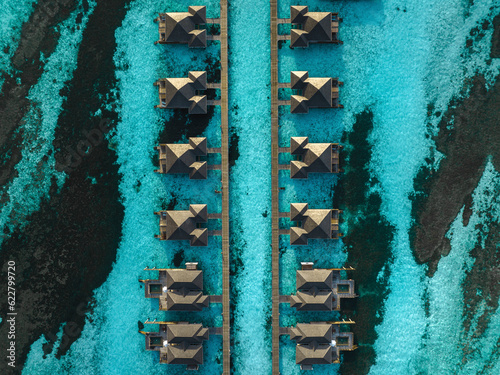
x: 320, y: 343
x: 312, y: 27
x: 179, y: 289
x: 311, y: 92
x: 311, y: 157
x: 183, y: 27
x: 319, y: 289
x: 311, y: 223
x: 184, y: 158
x: 178, y: 343
x: 186, y: 225
x: 179, y: 158
x: 184, y: 93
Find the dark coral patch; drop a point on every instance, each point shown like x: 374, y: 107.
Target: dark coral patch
x: 467, y: 145
x: 367, y: 242
x: 67, y: 248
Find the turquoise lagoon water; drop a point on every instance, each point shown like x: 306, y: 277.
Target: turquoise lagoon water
x: 250, y: 191
x: 398, y: 57
x: 120, y: 301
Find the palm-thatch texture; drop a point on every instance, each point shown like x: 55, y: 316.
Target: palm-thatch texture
x: 184, y: 93
x: 184, y: 158
x: 183, y: 27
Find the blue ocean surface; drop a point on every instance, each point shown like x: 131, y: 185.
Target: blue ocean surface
x: 399, y: 57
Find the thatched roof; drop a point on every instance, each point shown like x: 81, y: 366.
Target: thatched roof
x: 316, y: 92
x: 318, y: 289
x: 182, y: 278
x: 312, y: 300
x: 183, y: 158
x: 317, y: 342
x: 191, y: 333
x: 316, y: 223
x: 315, y: 26
x: 183, y: 300
x: 305, y: 333
x: 316, y: 278
x: 316, y: 157
x: 182, y: 225
x: 184, y: 354
x: 320, y: 354
x: 180, y: 27
x: 182, y: 92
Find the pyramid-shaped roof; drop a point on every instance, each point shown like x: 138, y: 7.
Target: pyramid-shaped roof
x: 180, y: 27
x: 199, y: 212
x: 316, y: 27
x: 298, y: 79
x: 298, y: 236
x: 182, y: 225
x: 198, y: 14
x: 198, y: 105
x: 177, y: 27
x: 179, y: 225
x: 298, y: 13
x: 198, y: 171
x: 318, y: 92
x: 181, y: 158
x: 183, y: 92
x: 298, y: 211
x: 198, y: 79
x: 199, y: 145
x: 178, y: 92
x: 297, y: 144
x: 298, y: 104
x: 315, y: 92
x: 298, y: 38
x: 319, y: 26
x: 298, y: 169
x: 198, y: 38
x: 199, y: 237
x: 318, y: 223
x: 178, y: 158
x: 318, y: 158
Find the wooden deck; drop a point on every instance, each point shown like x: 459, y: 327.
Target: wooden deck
x: 226, y: 338
x: 275, y: 192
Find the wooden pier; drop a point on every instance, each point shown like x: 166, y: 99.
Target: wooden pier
x: 275, y: 192
x: 226, y: 318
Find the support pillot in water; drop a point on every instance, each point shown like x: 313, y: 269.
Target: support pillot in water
x: 184, y: 28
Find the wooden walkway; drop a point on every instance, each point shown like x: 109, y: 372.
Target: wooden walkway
x: 226, y: 318
x: 275, y: 192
